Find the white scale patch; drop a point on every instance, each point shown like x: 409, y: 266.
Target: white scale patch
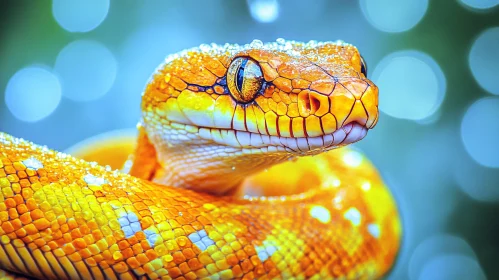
x: 374, y: 230
x: 152, y: 236
x: 94, y: 180
x: 32, y: 163
x: 201, y: 239
x: 320, y: 213
x: 266, y: 251
x: 130, y: 224
x: 353, y: 215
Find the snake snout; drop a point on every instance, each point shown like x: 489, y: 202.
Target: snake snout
x: 350, y: 101
x: 355, y: 101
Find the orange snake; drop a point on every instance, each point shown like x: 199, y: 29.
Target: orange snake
x: 228, y: 120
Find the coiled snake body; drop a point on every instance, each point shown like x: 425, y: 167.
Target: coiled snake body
x: 217, y: 185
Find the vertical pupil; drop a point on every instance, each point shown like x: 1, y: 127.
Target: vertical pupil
x: 240, y: 75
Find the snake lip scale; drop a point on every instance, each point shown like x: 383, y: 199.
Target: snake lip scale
x: 346, y: 134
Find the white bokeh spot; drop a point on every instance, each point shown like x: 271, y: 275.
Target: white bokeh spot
x: 484, y: 60
x: 33, y: 93
x: 476, y: 180
x: 366, y: 186
x: 442, y: 244
x: 264, y: 10
x: 480, y: 4
x: 480, y: 131
x: 80, y: 15
x: 412, y: 85
x: 87, y: 70
x: 394, y: 15
x: 353, y: 158
x: 452, y: 267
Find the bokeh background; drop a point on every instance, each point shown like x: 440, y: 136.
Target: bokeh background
x: 73, y: 69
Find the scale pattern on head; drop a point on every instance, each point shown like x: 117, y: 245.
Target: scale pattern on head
x: 285, y: 89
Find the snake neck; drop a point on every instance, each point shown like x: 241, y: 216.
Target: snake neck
x: 207, y: 166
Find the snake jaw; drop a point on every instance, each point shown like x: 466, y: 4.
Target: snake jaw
x: 346, y: 135
x: 351, y: 133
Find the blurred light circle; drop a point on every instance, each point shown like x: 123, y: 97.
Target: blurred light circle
x: 394, y: 15
x: 484, y: 60
x: 353, y: 158
x: 143, y: 52
x: 33, y: 93
x: 264, y: 10
x: 480, y: 4
x: 427, y: 176
x: 480, y: 131
x: 411, y: 85
x: 434, y: 246
x: 452, y: 267
x: 87, y: 70
x: 80, y: 15
x: 477, y: 181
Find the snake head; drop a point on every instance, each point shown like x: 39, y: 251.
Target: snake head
x: 214, y: 115
x: 301, y: 98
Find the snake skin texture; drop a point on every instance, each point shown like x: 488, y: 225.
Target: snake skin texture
x: 232, y: 177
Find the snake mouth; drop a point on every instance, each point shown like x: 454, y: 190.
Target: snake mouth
x: 253, y: 142
x: 345, y: 135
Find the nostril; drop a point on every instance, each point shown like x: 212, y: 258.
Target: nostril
x: 314, y: 104
x: 304, y: 104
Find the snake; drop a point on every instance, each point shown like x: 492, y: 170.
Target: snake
x: 234, y: 174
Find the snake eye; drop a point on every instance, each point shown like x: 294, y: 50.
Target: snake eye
x: 363, y: 66
x: 244, y: 79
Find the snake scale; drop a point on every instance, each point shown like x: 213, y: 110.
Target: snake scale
x: 232, y: 177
